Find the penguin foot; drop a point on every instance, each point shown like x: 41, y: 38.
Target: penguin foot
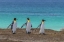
x: 28, y: 32
x: 14, y: 33
x: 42, y: 33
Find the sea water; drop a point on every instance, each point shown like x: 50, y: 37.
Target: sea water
x: 53, y: 13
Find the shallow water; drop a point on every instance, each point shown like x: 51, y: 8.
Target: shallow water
x: 53, y: 13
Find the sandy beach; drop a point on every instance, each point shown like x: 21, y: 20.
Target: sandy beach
x: 21, y: 36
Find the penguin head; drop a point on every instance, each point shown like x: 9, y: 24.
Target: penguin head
x: 43, y: 21
x: 14, y: 19
x: 28, y: 19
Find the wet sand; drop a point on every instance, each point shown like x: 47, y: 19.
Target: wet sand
x: 21, y: 36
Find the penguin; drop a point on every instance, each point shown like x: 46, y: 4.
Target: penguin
x: 13, y: 26
x: 28, y: 26
x: 42, y: 31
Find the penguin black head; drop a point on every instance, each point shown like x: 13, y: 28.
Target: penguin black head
x: 28, y: 19
x: 15, y: 19
x: 43, y: 20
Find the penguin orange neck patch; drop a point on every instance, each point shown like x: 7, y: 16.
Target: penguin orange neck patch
x: 28, y: 20
x: 14, y: 21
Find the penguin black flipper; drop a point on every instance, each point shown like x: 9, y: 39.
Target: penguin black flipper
x: 12, y: 24
x: 31, y: 25
x: 39, y: 25
x: 24, y: 24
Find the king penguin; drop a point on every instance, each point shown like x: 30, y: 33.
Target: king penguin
x: 42, y: 31
x: 28, y: 26
x: 14, y: 26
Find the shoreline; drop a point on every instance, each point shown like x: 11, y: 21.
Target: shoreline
x: 34, y: 28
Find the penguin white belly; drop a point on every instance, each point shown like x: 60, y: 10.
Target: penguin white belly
x: 28, y: 27
x: 41, y: 28
x: 14, y: 27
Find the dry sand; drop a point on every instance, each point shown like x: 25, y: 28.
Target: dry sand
x: 21, y: 36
